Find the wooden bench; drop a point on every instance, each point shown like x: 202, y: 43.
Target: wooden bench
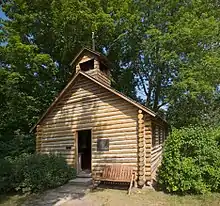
x: 117, y: 173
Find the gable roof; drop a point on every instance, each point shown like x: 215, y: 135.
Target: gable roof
x: 103, y: 59
x: 145, y: 109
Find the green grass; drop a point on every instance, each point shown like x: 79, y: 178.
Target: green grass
x: 110, y: 197
x: 12, y: 200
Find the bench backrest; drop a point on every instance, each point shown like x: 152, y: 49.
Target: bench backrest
x: 121, y: 173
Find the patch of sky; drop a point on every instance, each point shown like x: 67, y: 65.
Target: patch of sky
x: 2, y: 14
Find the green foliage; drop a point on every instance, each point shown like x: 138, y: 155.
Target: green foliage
x: 169, y: 51
x: 191, y: 161
x: 6, y: 175
x: 38, y: 172
x: 14, y: 145
x: 34, y: 173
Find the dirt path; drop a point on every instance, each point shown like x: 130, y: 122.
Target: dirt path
x: 58, y: 196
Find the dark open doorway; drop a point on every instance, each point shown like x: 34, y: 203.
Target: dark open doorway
x: 84, y: 151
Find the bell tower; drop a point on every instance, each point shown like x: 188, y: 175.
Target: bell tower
x: 94, y: 64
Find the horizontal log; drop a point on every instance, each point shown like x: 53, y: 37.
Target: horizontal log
x: 115, y: 160
x: 119, y: 134
x: 147, y: 159
x: 74, y: 94
x: 111, y: 132
x: 56, y: 133
x: 122, y: 152
x: 80, y: 101
x: 148, y: 141
x: 117, y: 128
x: 100, y: 126
x: 118, y: 139
x: 114, y: 131
x: 96, y: 118
x: 61, y: 139
x: 93, y: 109
x: 43, y: 147
x: 114, y: 155
x: 93, y: 114
x: 148, y: 169
x: 134, y: 164
x: 120, y: 142
x: 95, y: 134
x: 57, y: 152
x: 102, y: 117
x: 147, y: 173
x: 58, y: 145
x: 119, y: 145
x: 115, y: 151
x: 148, y: 148
x: 63, y: 155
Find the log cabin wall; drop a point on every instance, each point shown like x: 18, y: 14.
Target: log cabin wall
x: 148, y: 145
x: 158, y: 138
x: 87, y: 105
x: 141, y: 149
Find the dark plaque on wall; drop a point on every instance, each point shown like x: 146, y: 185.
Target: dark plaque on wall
x: 103, y: 145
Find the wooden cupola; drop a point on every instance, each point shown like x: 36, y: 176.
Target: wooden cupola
x: 93, y: 64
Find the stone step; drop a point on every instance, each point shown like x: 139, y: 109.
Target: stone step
x: 81, y: 181
x: 84, y: 175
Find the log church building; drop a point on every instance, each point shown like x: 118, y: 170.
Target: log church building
x: 93, y: 125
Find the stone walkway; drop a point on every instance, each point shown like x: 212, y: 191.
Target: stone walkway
x: 65, y: 195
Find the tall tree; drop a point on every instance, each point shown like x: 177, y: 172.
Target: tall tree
x: 173, y: 48
x: 168, y: 50
x: 38, y: 41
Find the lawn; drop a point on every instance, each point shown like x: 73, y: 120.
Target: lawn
x: 114, y: 197
x: 151, y: 198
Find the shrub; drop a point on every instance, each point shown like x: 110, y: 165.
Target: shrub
x: 191, y: 161
x: 33, y: 173
x: 6, y: 173
x: 37, y: 172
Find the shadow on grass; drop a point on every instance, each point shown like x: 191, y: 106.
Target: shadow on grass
x: 115, y: 186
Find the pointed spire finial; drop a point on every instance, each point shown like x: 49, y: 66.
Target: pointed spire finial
x: 93, y: 41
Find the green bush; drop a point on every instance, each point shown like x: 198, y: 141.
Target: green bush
x: 191, y: 161
x: 33, y: 173
x: 6, y: 177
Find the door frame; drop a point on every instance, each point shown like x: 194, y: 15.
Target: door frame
x: 76, y: 147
